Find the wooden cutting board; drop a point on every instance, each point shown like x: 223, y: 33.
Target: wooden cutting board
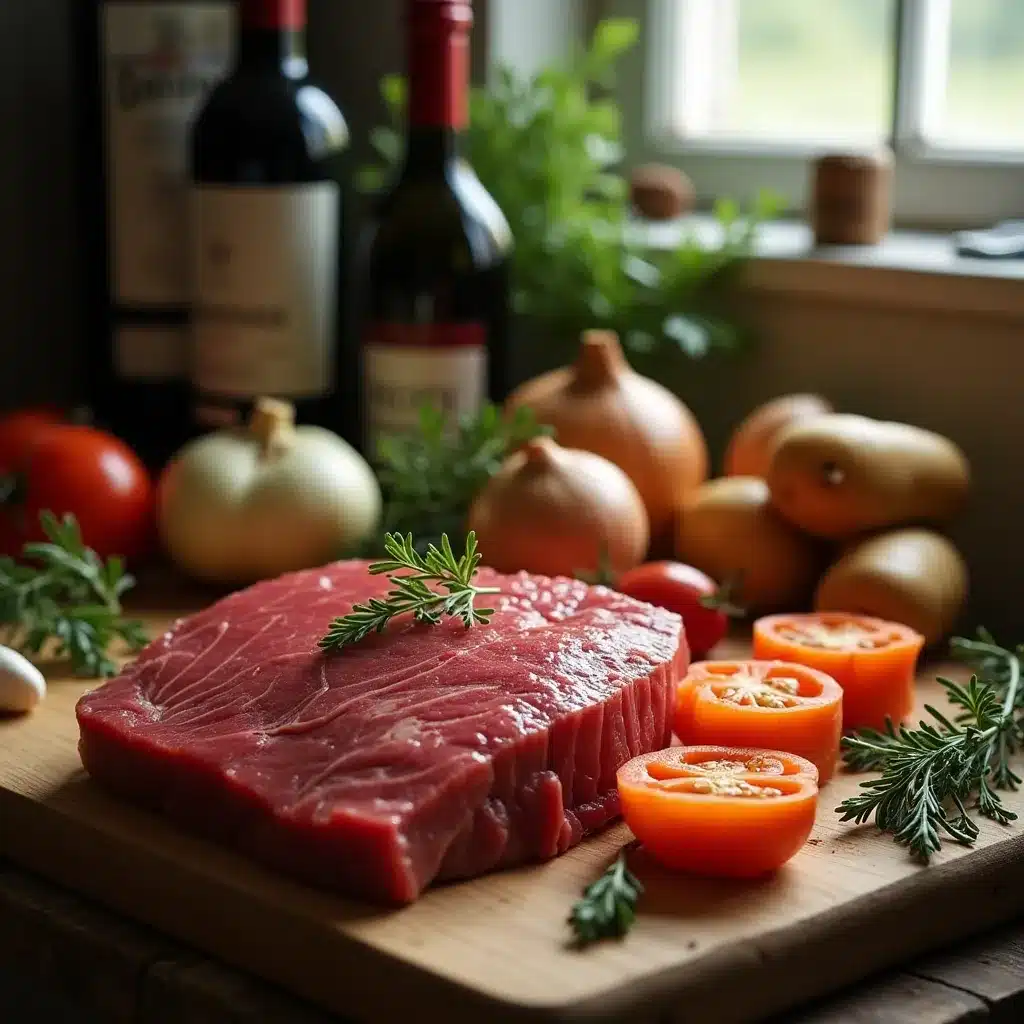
x: 496, y: 948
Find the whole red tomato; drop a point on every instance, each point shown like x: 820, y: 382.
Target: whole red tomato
x: 19, y: 431
x: 682, y: 589
x: 47, y: 463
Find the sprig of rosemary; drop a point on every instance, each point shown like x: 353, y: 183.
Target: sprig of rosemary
x: 431, y: 475
x: 933, y: 775
x: 410, y: 592
x: 608, y: 907
x: 69, y: 596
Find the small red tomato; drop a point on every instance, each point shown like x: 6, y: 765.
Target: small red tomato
x: 682, y: 589
x: 19, y: 431
x: 67, y: 468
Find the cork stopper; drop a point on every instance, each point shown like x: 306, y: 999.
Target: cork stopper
x: 272, y: 423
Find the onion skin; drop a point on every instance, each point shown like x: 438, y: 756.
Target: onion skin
x: 913, y: 576
x: 752, y: 443
x: 728, y: 527
x: 237, y: 506
x: 555, y: 511
x: 600, y: 404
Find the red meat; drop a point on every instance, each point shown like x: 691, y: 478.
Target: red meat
x: 422, y: 754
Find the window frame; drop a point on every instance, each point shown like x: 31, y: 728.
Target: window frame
x: 934, y: 186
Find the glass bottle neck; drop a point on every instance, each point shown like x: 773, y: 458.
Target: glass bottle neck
x: 282, y: 49
x: 430, y: 150
x: 438, y: 58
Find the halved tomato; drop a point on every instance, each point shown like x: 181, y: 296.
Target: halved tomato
x: 761, y: 703
x: 712, y: 759
x: 705, y: 815
x: 874, y: 661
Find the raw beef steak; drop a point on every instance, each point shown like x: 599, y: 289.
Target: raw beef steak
x: 422, y: 754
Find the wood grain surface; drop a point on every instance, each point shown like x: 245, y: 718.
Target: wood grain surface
x: 850, y: 904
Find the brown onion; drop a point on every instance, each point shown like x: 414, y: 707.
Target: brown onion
x: 601, y: 404
x: 558, y: 512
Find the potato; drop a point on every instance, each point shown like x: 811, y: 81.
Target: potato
x: 753, y: 441
x: 841, y: 475
x: 727, y: 526
x: 912, y: 576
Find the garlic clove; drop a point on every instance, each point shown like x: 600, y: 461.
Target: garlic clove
x: 22, y: 685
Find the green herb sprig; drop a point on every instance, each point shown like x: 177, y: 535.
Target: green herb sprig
x: 65, y: 593
x: 431, y: 475
x: 549, y: 147
x: 410, y: 593
x: 608, y: 907
x: 932, y: 776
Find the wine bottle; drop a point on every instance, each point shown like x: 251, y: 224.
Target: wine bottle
x: 437, y: 252
x: 267, y: 166
x: 144, y: 68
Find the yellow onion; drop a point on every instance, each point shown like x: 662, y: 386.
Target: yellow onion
x: 558, y: 512
x: 602, y: 405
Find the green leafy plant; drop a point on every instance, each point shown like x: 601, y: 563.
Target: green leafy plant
x: 454, y: 595
x: 547, y: 150
x: 932, y: 775
x: 431, y: 475
x: 64, y: 593
x: 607, y: 909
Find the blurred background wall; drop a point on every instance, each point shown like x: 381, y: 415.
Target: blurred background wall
x: 957, y: 373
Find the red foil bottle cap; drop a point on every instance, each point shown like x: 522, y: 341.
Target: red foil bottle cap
x: 454, y: 12
x: 439, y: 62
x: 274, y: 14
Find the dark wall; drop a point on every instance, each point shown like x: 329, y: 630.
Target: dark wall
x: 351, y: 46
x: 39, y: 293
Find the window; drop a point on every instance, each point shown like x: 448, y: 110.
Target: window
x: 743, y: 93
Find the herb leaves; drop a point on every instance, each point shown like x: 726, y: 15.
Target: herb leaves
x: 64, y: 592
x: 454, y: 596
x: 608, y: 907
x: 932, y: 776
x: 431, y: 475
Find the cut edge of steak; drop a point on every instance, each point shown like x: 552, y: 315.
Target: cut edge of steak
x: 525, y: 801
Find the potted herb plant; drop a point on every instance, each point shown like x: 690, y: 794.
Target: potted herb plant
x: 547, y: 148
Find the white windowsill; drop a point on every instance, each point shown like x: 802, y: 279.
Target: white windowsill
x: 911, y: 269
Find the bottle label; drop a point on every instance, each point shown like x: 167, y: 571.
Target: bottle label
x: 159, y: 62
x: 407, y: 366
x: 150, y: 352
x: 265, y: 266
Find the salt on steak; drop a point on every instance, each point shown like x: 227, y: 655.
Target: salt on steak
x: 426, y: 753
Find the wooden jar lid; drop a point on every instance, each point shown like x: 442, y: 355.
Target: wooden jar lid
x: 851, y: 197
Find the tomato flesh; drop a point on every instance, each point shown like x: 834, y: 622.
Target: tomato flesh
x: 679, y: 588
x: 760, y: 703
x: 733, y: 823
x: 874, y: 661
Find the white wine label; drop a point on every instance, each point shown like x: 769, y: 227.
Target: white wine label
x: 159, y: 62
x: 408, y: 366
x: 265, y: 286
x: 150, y: 352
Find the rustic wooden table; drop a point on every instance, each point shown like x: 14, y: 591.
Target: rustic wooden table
x: 65, y: 960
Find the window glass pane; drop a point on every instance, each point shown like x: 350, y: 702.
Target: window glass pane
x: 984, y: 101
x: 786, y: 70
